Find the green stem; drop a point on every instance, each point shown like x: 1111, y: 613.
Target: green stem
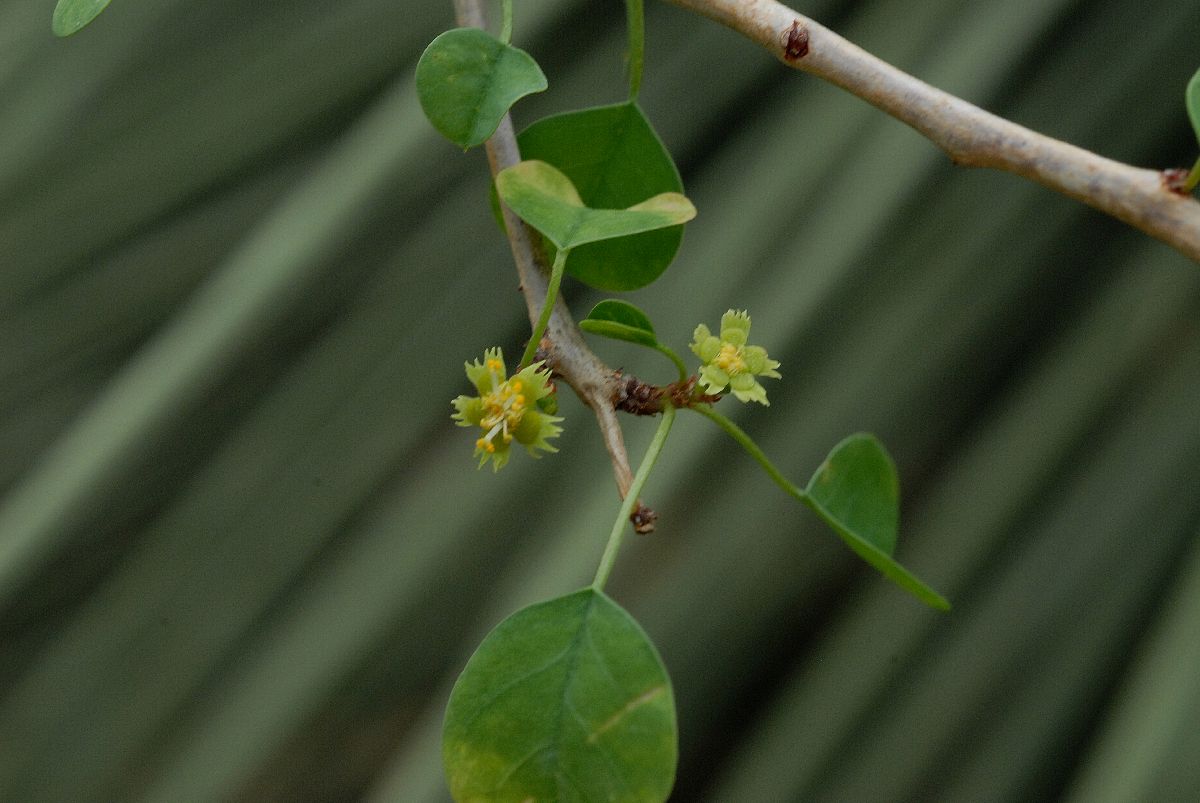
x: 556, y: 274
x: 506, y: 24
x: 735, y: 432
x: 670, y: 353
x: 866, y: 550
x: 631, y: 496
x: 1193, y: 178
x: 637, y: 45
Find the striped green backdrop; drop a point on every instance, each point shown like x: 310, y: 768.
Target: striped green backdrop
x: 244, y: 551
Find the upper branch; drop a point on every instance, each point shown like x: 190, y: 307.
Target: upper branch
x: 968, y: 134
x: 563, y: 347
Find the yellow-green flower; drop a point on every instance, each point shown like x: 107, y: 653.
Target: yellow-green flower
x: 729, y: 362
x: 506, y: 409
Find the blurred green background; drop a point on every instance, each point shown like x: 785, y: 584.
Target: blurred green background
x: 244, y: 552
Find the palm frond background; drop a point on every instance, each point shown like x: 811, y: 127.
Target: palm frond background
x: 244, y: 552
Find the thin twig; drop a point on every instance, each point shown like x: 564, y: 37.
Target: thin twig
x: 970, y: 136
x: 563, y: 348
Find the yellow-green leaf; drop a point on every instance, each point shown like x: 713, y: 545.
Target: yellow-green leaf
x: 547, y: 200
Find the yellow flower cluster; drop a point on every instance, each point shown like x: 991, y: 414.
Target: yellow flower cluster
x: 506, y: 409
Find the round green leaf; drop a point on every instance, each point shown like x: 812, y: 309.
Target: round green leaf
x: 564, y: 700
x: 620, y: 320
x: 547, y: 200
x: 858, y: 485
x: 1192, y: 97
x: 72, y: 15
x: 615, y: 159
x: 857, y: 493
x: 467, y: 80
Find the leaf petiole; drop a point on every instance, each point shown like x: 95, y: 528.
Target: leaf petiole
x: 506, y: 23
x: 639, y: 479
x: 637, y: 45
x: 747, y: 443
x: 673, y: 357
x: 556, y: 274
x: 1193, y: 178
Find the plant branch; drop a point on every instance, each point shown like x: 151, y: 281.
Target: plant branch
x: 970, y: 136
x: 563, y: 348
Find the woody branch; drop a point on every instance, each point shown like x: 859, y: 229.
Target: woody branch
x: 972, y: 137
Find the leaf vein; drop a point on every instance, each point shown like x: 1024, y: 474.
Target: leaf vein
x: 642, y: 699
x: 507, y: 687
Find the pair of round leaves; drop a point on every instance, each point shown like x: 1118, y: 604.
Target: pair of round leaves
x: 564, y: 700
x: 615, y: 159
x: 467, y: 80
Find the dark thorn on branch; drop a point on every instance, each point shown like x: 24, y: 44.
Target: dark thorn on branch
x: 1175, y: 180
x: 795, y: 45
x: 643, y: 519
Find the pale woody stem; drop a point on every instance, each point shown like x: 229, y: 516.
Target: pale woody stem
x: 971, y: 136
